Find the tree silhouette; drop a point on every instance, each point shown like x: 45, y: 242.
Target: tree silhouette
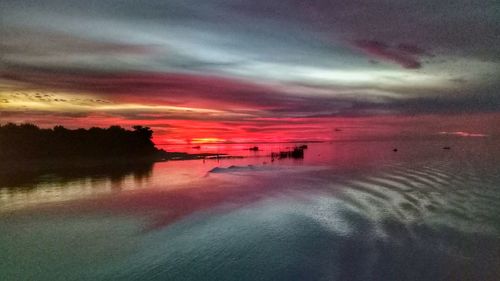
x: 28, y: 141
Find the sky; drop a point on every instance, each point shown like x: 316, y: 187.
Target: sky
x: 254, y: 70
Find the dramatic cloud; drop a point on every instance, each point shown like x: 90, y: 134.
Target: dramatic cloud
x: 237, y: 70
x: 405, y: 55
x: 464, y: 134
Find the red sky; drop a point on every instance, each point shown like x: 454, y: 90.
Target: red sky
x: 280, y: 71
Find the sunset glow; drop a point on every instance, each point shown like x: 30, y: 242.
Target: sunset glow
x: 249, y: 140
x: 288, y: 79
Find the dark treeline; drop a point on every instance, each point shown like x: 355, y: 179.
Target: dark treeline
x: 27, y: 141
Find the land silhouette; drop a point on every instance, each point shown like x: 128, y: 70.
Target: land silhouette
x: 28, y: 142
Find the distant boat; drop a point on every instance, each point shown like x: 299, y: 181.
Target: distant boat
x: 447, y: 147
x: 255, y: 148
x: 296, y: 153
x: 196, y: 147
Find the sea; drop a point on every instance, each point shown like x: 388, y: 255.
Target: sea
x: 349, y: 210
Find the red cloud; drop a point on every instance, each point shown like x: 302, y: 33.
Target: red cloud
x: 406, y: 55
x: 463, y: 134
x: 156, y: 88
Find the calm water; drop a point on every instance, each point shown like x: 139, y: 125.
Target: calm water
x: 347, y: 211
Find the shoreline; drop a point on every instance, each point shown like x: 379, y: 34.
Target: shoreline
x: 10, y: 166
x: 26, y: 173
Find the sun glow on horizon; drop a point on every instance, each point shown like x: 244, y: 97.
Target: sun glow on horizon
x: 207, y: 140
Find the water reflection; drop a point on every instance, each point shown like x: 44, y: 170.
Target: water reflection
x: 26, y: 186
x: 347, y: 211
